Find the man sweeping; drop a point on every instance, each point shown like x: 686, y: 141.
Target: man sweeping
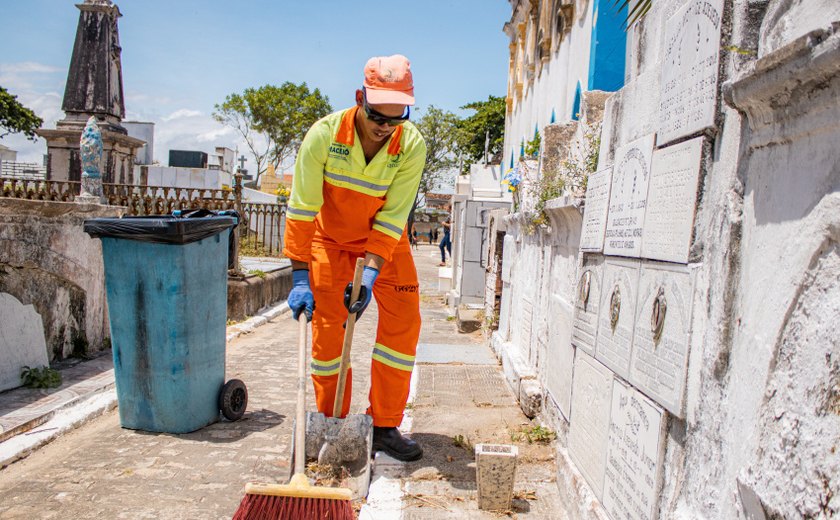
x: 356, y: 178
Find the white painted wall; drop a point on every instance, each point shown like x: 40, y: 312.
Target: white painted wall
x: 553, y: 86
x: 758, y: 438
x: 199, y: 178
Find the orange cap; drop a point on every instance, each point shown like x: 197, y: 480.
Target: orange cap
x: 388, y: 80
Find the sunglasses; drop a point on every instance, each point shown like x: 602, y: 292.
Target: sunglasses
x: 382, y: 119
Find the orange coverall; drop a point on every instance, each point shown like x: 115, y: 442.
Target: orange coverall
x: 340, y: 207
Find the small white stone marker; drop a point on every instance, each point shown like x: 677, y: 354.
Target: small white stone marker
x: 495, y: 472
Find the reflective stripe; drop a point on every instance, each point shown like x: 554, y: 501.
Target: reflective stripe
x: 301, y: 212
x: 325, y: 368
x: 357, y: 182
x: 392, y: 358
x: 388, y: 226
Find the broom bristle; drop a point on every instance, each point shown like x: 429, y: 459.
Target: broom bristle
x: 266, y: 507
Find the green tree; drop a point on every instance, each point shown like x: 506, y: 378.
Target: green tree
x: 440, y: 131
x: 489, y: 117
x: 16, y: 118
x: 273, y: 120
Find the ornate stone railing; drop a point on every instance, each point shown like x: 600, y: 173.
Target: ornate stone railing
x: 163, y: 200
x: 262, y: 223
x: 264, y: 226
x: 37, y: 189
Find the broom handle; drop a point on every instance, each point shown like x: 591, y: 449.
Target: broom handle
x: 338, y: 403
x: 300, y: 413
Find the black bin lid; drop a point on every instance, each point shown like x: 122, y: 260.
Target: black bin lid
x: 163, y: 229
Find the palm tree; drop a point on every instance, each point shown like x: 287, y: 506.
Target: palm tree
x: 637, y: 11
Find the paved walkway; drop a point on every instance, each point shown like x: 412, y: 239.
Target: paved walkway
x: 92, y: 468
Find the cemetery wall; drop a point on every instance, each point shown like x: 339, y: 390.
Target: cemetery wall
x: 678, y: 326
x: 49, y: 263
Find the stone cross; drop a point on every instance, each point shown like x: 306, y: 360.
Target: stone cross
x: 242, y: 161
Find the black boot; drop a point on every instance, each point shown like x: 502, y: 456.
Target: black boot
x: 391, y: 441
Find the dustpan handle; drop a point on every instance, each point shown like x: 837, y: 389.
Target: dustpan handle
x: 300, y: 412
x: 338, y: 402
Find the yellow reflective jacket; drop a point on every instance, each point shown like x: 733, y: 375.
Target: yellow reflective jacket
x: 340, y: 201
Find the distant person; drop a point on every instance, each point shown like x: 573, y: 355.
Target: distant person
x: 412, y: 237
x: 445, y: 242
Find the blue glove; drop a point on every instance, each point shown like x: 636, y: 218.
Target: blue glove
x: 301, y: 298
x: 365, y: 292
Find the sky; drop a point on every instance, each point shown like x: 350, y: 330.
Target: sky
x: 181, y: 57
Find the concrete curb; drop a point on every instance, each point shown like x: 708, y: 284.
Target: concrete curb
x: 83, y: 411
x: 248, y: 326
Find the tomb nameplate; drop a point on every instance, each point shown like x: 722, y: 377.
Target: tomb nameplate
x: 616, y: 315
x: 689, y: 70
x: 628, y: 198
x: 671, y: 202
x: 590, y: 421
x: 587, y: 304
x: 661, y: 339
x: 595, y: 211
x: 635, y: 449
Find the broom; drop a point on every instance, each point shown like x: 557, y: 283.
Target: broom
x: 298, y: 499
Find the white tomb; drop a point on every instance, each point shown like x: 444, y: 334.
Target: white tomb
x: 22, y: 341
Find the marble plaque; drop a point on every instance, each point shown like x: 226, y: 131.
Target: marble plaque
x: 635, y: 449
x: 560, y: 353
x: 672, y: 201
x: 508, y: 254
x: 22, y: 340
x: 661, y: 339
x: 628, y: 198
x: 595, y: 211
x: 616, y: 314
x: 687, y: 98
x: 587, y: 303
x: 590, y: 421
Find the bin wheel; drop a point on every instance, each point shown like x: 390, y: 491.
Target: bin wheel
x: 233, y: 399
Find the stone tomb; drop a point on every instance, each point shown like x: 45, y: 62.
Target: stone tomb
x: 635, y: 452
x: 671, y: 202
x: 22, y: 341
x: 616, y: 315
x: 661, y: 340
x: 589, y: 426
x: 595, y: 211
x: 628, y: 198
x: 587, y: 304
x: 689, y: 70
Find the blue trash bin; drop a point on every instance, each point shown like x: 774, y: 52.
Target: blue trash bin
x: 166, y: 285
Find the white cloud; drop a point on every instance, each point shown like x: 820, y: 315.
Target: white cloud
x: 182, y: 113
x: 23, y: 76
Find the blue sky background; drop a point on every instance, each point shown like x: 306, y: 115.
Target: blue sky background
x: 180, y: 57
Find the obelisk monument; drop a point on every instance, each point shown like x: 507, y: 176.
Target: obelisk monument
x: 94, y: 88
